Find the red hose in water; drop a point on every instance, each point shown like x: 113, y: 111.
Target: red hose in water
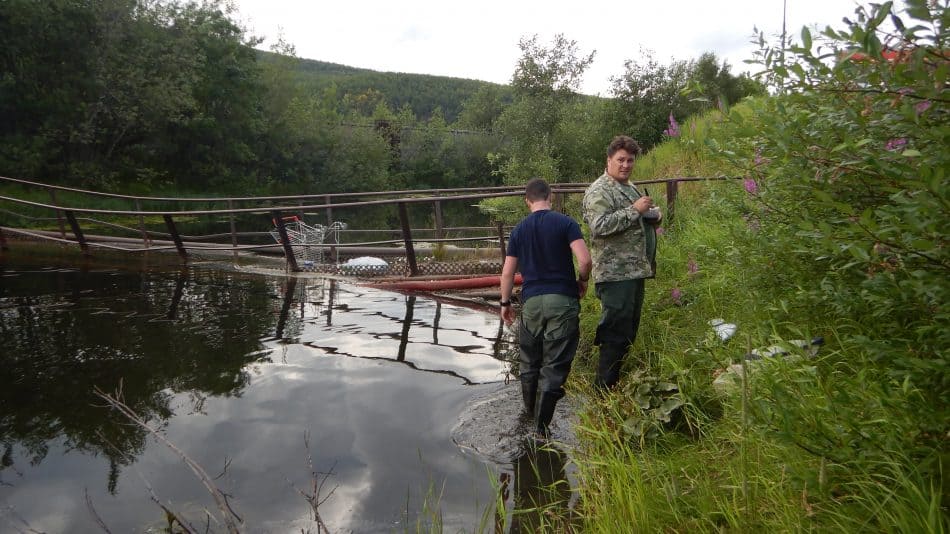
x: 433, y: 285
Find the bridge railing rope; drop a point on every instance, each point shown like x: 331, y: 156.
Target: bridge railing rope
x: 74, y: 215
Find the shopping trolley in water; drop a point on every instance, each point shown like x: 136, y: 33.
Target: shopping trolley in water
x: 307, y: 240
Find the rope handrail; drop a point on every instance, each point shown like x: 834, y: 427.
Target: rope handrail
x: 281, y: 197
x: 557, y: 187
x: 268, y: 209
x: 291, y: 238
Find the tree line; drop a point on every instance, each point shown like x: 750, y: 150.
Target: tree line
x: 144, y: 96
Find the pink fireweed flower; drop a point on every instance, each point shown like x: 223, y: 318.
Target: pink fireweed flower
x: 895, y: 143
x: 923, y: 106
x: 750, y: 185
x: 660, y: 230
x: 676, y: 296
x: 674, y: 128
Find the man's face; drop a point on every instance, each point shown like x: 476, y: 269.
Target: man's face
x: 619, y: 165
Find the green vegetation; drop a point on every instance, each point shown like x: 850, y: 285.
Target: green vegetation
x: 838, y: 230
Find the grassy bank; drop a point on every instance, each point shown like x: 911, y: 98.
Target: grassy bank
x: 831, y: 442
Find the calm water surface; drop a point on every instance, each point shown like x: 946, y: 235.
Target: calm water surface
x: 240, y: 372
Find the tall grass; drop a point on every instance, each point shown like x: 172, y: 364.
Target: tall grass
x: 782, y: 452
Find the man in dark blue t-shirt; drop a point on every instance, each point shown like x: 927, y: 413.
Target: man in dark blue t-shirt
x: 543, y: 247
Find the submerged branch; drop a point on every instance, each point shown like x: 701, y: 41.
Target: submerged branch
x: 231, y: 520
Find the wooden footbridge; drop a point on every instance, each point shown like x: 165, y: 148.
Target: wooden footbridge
x: 270, y: 224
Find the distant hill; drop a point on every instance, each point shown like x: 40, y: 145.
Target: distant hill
x: 422, y: 92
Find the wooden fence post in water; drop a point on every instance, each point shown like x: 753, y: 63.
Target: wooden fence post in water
x: 74, y: 224
x: 175, y: 237
x: 407, y: 238
x: 138, y: 207
x: 59, y: 214
x: 671, y: 188
x: 285, y: 240
x: 233, y: 229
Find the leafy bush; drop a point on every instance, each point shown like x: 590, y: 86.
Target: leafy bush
x: 845, y: 170
x: 836, y: 227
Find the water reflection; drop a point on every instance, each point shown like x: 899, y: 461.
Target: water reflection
x: 65, y: 332
x: 472, y: 345
x: 234, y: 370
x: 541, y: 497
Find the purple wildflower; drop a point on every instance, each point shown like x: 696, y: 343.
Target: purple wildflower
x: 922, y: 106
x: 750, y: 185
x: 674, y: 128
x: 895, y: 143
x: 676, y: 295
x: 691, y: 266
x: 660, y: 230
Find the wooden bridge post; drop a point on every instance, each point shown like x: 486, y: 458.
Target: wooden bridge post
x: 407, y: 238
x: 138, y: 208
x: 326, y: 200
x: 74, y: 224
x: 672, y: 186
x: 59, y: 213
x: 175, y: 237
x: 233, y: 229
x: 439, y: 226
x: 3, y: 242
x: 285, y: 240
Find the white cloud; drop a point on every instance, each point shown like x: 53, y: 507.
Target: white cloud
x: 479, y: 40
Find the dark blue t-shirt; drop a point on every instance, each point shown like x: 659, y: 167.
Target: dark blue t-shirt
x: 542, y: 244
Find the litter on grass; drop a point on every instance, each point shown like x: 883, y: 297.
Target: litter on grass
x: 723, y: 329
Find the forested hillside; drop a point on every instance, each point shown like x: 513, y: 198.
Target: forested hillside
x: 422, y: 93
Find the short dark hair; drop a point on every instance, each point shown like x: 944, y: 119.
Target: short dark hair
x: 623, y: 142
x: 537, y: 189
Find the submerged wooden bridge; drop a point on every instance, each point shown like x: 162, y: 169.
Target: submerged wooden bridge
x: 267, y: 224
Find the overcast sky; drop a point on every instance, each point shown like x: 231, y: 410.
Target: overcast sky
x: 479, y: 39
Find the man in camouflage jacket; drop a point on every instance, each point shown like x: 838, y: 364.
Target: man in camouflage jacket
x: 623, y: 247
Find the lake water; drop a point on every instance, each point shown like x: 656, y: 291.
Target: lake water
x: 270, y: 383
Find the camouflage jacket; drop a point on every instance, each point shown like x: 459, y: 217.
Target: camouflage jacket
x: 622, y: 245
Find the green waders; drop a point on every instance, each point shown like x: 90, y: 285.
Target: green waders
x: 621, y: 303
x: 550, y: 330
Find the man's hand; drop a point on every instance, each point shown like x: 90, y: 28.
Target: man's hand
x: 643, y: 204
x: 508, y: 314
x: 582, y: 287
